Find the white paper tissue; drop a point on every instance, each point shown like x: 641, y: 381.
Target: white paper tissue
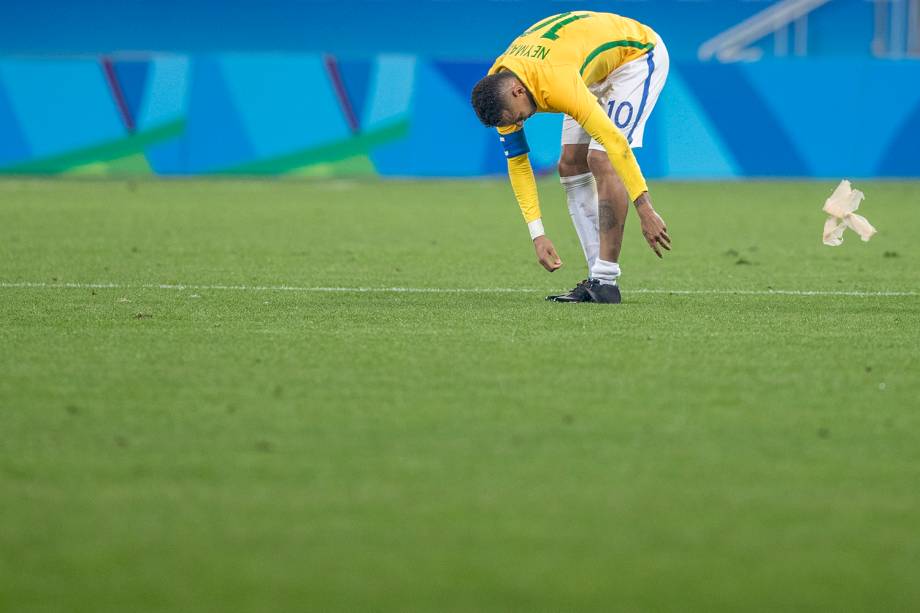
x: 840, y: 207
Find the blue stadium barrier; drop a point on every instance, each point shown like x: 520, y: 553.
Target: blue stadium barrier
x: 362, y: 87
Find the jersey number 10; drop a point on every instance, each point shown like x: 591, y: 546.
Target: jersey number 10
x: 616, y: 116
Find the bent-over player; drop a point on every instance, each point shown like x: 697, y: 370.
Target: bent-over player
x: 604, y: 72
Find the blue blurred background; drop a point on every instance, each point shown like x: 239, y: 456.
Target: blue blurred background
x: 440, y: 29
x: 321, y: 87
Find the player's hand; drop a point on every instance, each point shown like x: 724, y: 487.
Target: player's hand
x: 546, y: 254
x: 653, y: 228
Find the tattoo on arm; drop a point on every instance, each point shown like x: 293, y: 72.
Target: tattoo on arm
x: 642, y: 199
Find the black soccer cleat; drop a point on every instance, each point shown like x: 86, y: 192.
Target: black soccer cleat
x: 603, y: 293
x: 577, y: 294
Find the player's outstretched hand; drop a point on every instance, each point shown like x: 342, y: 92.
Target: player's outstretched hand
x: 546, y: 254
x: 653, y: 228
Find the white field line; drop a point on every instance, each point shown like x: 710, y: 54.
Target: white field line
x: 442, y: 290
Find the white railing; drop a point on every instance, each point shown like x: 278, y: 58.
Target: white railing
x: 734, y: 44
x: 897, y: 28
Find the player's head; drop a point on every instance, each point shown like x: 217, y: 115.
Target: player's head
x: 501, y: 99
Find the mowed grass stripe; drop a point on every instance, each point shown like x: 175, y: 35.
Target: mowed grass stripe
x: 446, y: 290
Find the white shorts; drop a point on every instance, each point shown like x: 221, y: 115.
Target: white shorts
x: 628, y: 95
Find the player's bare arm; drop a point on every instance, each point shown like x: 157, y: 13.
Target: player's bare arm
x: 546, y: 254
x: 653, y: 227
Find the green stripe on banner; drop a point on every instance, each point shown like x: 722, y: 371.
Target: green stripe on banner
x: 613, y: 45
x: 324, y: 154
x: 113, y: 150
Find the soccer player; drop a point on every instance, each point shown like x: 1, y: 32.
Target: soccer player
x: 604, y: 72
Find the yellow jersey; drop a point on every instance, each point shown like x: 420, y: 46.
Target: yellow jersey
x: 556, y: 60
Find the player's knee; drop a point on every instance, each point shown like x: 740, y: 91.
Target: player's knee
x: 600, y: 165
x: 573, y: 161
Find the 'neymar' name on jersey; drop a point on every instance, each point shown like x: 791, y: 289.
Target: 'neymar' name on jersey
x: 556, y: 60
x: 533, y: 51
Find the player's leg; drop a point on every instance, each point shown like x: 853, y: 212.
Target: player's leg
x: 633, y: 91
x: 581, y: 197
x: 574, y: 160
x: 612, y: 205
x: 578, y: 183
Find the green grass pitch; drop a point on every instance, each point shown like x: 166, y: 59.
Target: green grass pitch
x: 233, y: 447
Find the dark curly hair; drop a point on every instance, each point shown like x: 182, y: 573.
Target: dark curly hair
x: 488, y: 98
